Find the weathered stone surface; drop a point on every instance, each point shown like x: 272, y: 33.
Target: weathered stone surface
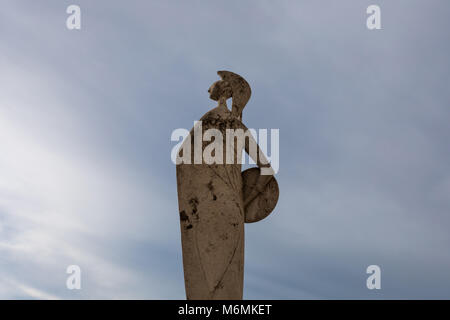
x: 212, y: 204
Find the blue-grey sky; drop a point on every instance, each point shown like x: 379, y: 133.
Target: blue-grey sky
x: 85, y: 123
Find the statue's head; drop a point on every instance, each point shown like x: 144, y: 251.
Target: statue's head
x: 240, y: 90
x: 220, y: 89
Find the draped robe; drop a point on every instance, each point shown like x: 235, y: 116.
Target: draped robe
x: 211, y: 209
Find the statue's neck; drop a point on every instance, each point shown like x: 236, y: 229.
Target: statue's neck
x: 222, y: 103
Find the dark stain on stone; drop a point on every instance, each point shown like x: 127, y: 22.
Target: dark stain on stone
x: 183, y: 216
x: 194, y: 202
x: 189, y: 226
x: 211, y: 188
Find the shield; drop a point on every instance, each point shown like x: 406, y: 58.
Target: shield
x: 265, y: 202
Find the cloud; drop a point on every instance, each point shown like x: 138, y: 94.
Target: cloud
x: 86, y: 118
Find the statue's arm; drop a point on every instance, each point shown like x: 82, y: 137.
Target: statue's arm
x: 253, y: 150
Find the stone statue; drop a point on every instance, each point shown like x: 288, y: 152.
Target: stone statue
x: 215, y: 198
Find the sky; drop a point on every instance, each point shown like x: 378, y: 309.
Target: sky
x: 86, y: 118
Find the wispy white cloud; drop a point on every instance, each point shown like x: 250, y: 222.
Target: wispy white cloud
x: 85, y: 121
x: 17, y: 290
x: 54, y: 204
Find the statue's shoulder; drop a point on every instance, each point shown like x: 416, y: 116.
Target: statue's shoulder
x: 210, y: 114
x: 215, y: 116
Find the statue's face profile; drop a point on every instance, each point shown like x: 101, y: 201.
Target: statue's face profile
x: 219, y: 89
